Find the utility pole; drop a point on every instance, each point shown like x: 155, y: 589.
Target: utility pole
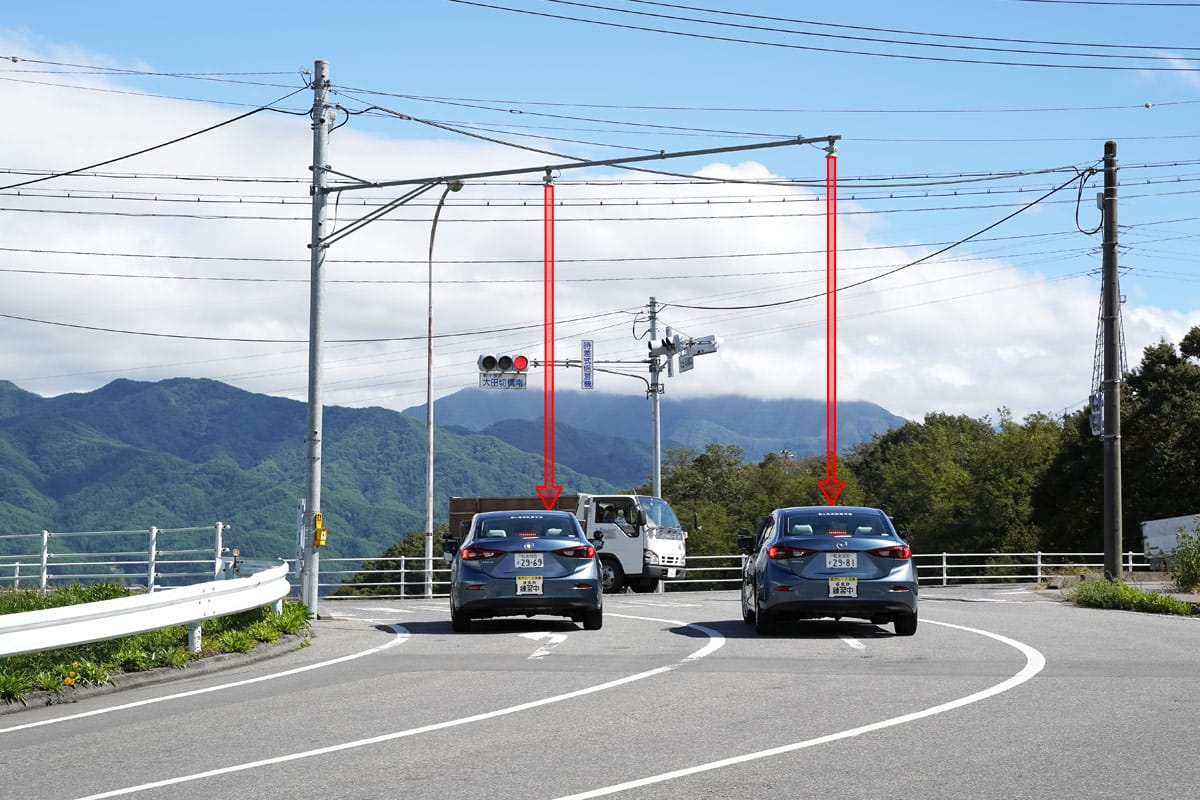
x: 321, y: 123
x: 655, y: 391
x: 1111, y: 301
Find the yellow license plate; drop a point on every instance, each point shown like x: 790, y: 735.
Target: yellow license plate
x: 529, y: 584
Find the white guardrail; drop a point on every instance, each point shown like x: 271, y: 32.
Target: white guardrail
x: 49, y: 628
x: 150, y: 557
x: 405, y: 576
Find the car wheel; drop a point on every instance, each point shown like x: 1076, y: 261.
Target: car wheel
x: 612, y: 577
x: 747, y: 609
x: 593, y: 620
x: 764, y: 623
x: 906, y: 624
x: 459, y: 622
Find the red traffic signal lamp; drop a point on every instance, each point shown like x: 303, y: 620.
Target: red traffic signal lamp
x: 503, y: 363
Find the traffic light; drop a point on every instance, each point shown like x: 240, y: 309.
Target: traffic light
x: 503, y: 371
x: 503, y: 363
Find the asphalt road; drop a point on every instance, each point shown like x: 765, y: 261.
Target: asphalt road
x: 1003, y: 693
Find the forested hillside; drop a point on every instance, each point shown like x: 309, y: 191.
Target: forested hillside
x: 958, y: 484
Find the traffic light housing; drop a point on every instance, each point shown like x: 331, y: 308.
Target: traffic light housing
x: 503, y: 363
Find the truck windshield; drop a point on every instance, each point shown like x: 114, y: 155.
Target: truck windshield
x: 658, y: 513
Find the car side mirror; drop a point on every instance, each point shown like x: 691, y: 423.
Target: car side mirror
x: 745, y: 542
x: 449, y: 547
x: 598, y: 540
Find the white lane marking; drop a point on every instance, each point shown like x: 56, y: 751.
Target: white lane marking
x: 1016, y: 591
x: 1034, y: 663
x: 850, y: 640
x: 401, y: 636
x: 553, y: 640
x: 715, y: 638
x: 437, y: 726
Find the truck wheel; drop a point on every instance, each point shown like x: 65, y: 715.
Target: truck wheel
x: 612, y: 577
x: 459, y: 622
x: 593, y: 620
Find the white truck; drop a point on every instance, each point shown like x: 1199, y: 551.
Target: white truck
x: 1160, y: 538
x: 638, y: 537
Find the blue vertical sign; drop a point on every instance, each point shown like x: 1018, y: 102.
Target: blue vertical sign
x: 587, y: 378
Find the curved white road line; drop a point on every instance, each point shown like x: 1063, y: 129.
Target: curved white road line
x: 1034, y: 663
x: 402, y: 635
x: 437, y: 726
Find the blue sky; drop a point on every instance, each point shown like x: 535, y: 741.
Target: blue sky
x: 932, y: 151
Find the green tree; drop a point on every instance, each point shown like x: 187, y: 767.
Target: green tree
x: 1160, y: 432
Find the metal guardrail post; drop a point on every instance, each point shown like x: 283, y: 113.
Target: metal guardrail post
x: 194, y: 637
x: 403, y: 576
x: 45, y: 566
x: 17, y: 575
x: 151, y: 563
x: 1039, y: 567
x: 217, y: 562
x: 945, y: 576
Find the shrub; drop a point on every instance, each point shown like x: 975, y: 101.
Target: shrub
x: 264, y: 631
x: 14, y: 686
x: 1186, y: 568
x: 233, y: 641
x: 1113, y: 594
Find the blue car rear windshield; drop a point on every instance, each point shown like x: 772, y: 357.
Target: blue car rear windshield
x: 836, y: 523
x: 526, y: 526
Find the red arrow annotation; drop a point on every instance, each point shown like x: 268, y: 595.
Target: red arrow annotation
x: 831, y: 487
x: 548, y: 491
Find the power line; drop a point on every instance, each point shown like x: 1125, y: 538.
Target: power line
x: 840, y: 51
x: 373, y: 340
x: 157, y: 146
x: 845, y: 37
x: 907, y: 32
x: 920, y: 260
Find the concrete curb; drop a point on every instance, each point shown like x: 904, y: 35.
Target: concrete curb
x: 160, y: 675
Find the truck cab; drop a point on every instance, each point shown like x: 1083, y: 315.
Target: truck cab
x: 639, y: 539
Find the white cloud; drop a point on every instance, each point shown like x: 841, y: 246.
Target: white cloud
x: 945, y: 335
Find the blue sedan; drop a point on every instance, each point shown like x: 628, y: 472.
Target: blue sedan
x: 523, y: 563
x: 828, y: 561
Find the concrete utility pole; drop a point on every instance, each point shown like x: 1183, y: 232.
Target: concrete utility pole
x: 1111, y: 300
x: 655, y: 392
x: 322, y: 120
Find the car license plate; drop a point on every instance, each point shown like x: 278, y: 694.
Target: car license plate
x: 529, y: 561
x: 529, y: 584
x: 841, y: 561
x: 843, y: 587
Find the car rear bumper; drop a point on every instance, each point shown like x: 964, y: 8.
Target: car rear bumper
x: 810, y: 600
x: 559, y: 598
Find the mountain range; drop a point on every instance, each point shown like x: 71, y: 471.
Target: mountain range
x: 190, y: 452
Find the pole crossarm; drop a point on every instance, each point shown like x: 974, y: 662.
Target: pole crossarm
x: 386, y: 208
x: 607, y: 162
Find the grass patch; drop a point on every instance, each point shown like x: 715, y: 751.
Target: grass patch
x: 1100, y: 593
x: 94, y: 664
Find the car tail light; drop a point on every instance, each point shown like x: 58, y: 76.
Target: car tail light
x: 582, y: 551
x: 479, y: 553
x: 778, y: 551
x: 899, y: 552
